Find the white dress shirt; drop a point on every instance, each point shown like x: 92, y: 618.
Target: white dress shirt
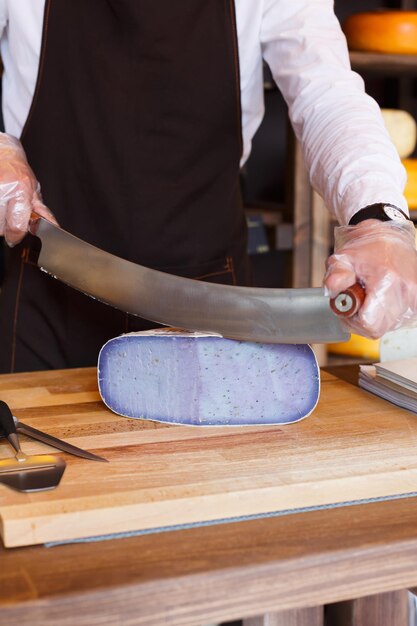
x: 351, y: 159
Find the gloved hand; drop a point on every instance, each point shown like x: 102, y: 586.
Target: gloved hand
x: 19, y: 191
x: 382, y: 257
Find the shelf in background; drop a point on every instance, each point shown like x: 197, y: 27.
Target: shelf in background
x: 380, y: 62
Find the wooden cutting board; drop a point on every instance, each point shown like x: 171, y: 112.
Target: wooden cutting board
x: 354, y: 447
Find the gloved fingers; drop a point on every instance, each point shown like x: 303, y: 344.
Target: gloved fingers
x: 386, y: 301
x: 15, y: 205
x: 387, y: 308
x: 21, y: 201
x: 41, y: 209
x: 16, y: 228
x: 375, y: 318
x: 19, y: 191
x: 383, y: 258
x: 339, y: 276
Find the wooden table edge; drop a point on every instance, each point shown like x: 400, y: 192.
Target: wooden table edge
x: 217, y: 572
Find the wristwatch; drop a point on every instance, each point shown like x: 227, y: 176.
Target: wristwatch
x: 380, y: 211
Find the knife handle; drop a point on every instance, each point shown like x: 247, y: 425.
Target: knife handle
x: 348, y: 302
x: 6, y: 419
x: 8, y: 426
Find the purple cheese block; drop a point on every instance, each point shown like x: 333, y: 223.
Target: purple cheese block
x: 186, y: 378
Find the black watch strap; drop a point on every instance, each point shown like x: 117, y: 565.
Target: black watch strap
x: 379, y: 211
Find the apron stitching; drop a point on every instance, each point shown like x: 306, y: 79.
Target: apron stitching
x: 219, y: 273
x: 40, y: 70
x: 232, y: 269
x: 16, y: 307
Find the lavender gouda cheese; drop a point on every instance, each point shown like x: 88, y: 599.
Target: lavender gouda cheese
x: 207, y: 380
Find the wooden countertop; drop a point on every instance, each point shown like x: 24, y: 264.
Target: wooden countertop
x: 213, y: 573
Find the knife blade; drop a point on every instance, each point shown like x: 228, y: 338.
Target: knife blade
x: 39, y: 435
x: 242, y: 313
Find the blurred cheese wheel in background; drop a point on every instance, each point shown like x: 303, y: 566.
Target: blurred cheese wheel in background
x: 357, y: 346
x: 393, y: 32
x: 410, y: 191
x: 402, y: 129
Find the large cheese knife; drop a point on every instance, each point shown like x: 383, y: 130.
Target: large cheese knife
x: 242, y: 313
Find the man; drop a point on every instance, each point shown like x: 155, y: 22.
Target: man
x: 135, y: 117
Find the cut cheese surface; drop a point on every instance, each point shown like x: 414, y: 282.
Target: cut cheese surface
x: 207, y: 380
x: 389, y: 31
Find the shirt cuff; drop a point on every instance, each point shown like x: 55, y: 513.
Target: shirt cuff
x: 363, y: 193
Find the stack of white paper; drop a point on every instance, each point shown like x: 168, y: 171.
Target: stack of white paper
x: 395, y: 381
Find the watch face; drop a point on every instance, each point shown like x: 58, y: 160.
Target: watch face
x: 394, y: 214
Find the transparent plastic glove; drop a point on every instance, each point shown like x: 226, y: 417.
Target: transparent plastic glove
x: 382, y: 257
x: 19, y: 191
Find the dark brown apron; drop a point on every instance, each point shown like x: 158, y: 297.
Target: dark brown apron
x: 135, y: 136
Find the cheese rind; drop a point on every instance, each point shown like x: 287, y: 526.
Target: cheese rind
x: 207, y: 380
x: 410, y: 190
x: 387, y: 31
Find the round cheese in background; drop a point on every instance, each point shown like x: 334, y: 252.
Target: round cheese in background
x: 357, y: 346
x: 402, y: 129
x: 399, y: 344
x: 389, y: 31
x: 410, y: 191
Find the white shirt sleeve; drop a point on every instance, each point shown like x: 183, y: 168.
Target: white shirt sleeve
x: 347, y: 149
